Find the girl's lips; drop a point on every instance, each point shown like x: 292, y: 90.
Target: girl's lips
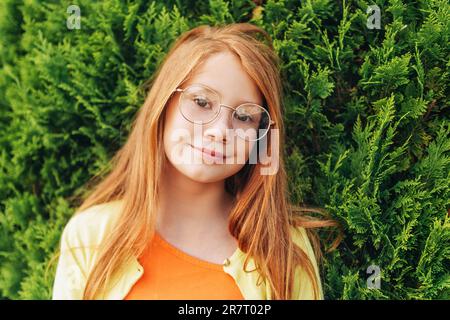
x: 210, y: 153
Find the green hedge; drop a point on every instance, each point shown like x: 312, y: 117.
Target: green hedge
x: 366, y: 113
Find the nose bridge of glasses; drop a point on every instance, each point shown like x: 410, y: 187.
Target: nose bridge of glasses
x: 226, y: 115
x: 227, y: 106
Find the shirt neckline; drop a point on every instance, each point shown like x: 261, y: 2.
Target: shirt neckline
x: 200, y: 262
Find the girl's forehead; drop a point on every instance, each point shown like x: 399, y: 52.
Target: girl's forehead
x: 224, y: 73
x: 227, y: 89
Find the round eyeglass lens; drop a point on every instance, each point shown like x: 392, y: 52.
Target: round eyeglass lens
x: 251, y: 121
x: 199, y: 104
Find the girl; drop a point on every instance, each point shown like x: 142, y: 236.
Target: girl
x: 188, y: 211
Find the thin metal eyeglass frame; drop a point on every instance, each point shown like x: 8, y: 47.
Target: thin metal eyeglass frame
x: 271, y: 122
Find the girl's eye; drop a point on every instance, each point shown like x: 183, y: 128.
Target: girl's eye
x: 201, y: 102
x: 243, y: 117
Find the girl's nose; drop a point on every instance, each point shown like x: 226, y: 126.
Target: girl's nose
x: 221, y: 126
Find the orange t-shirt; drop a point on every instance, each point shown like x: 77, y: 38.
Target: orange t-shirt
x: 171, y: 274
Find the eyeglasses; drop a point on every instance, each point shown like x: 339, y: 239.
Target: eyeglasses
x: 201, y: 104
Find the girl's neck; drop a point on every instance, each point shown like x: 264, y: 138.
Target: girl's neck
x: 190, y: 207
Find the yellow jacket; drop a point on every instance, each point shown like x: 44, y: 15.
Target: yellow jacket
x: 85, y: 231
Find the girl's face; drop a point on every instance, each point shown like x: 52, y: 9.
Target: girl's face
x: 184, y: 140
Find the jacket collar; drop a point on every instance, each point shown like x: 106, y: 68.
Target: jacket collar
x: 245, y: 280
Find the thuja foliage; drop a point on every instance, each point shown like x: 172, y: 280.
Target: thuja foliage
x: 366, y: 111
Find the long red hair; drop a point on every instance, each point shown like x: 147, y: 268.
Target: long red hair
x: 262, y: 216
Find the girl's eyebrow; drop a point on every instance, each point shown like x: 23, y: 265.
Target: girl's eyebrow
x: 242, y: 101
